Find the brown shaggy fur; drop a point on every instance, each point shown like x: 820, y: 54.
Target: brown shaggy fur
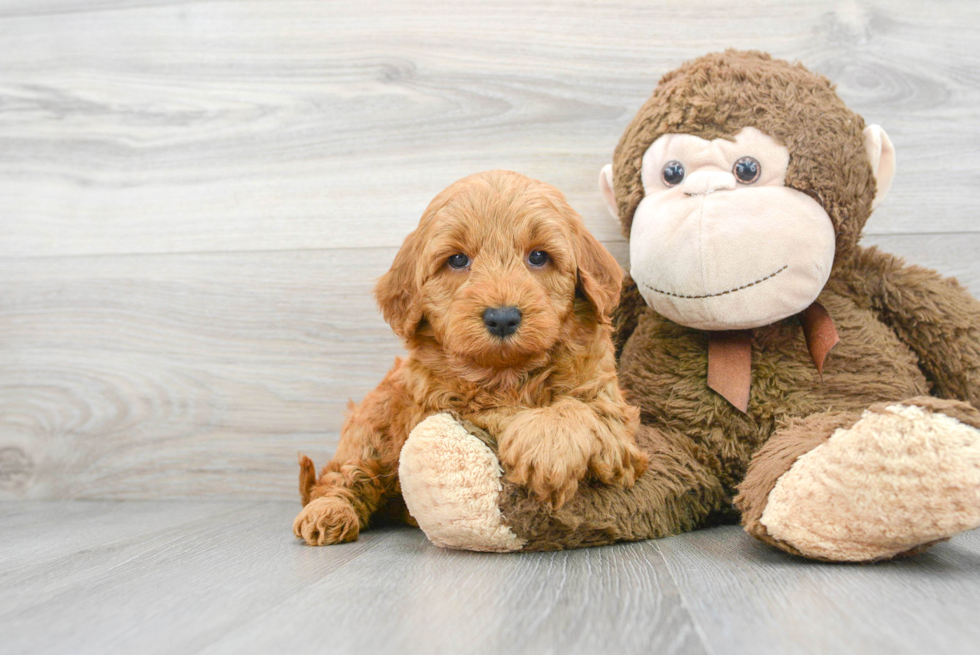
x: 548, y: 391
x: 905, y: 331
x: 719, y: 94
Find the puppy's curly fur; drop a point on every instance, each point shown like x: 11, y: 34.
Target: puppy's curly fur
x: 548, y: 391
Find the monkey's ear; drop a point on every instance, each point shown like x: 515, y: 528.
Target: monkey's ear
x: 599, y: 275
x: 397, y: 291
x: 881, y: 153
x: 607, y: 190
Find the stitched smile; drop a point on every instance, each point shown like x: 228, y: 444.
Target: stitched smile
x: 720, y: 293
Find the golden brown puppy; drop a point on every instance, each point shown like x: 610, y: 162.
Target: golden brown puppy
x: 503, y: 300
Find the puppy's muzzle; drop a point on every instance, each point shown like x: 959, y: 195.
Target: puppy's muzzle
x: 502, y: 321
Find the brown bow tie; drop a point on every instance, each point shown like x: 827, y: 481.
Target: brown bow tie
x: 730, y: 354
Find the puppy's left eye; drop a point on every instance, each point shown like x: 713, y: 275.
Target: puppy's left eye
x: 459, y: 260
x: 537, y: 258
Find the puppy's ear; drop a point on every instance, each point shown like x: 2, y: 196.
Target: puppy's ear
x: 599, y: 275
x: 397, y: 291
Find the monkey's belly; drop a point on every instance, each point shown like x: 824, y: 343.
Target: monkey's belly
x: 663, y: 370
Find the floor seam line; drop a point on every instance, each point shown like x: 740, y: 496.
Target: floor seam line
x: 698, y: 629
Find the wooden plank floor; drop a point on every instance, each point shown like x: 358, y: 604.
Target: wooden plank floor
x: 223, y: 577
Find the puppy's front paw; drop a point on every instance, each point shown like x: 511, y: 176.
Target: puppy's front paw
x: 327, y: 520
x: 551, y: 482
x: 616, y: 460
x: 547, y: 457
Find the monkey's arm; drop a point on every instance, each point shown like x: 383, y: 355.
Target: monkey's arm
x: 624, y: 319
x: 452, y: 484
x: 935, y: 316
x: 678, y: 492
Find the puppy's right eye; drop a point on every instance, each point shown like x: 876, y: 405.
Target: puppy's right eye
x: 459, y: 260
x: 537, y: 258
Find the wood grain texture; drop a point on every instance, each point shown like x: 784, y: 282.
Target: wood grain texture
x: 195, y: 197
x: 185, y: 375
x: 36, y: 535
x: 199, y: 126
x: 156, y: 589
x: 786, y: 604
x: 483, y: 603
x: 230, y: 578
x: 194, y: 375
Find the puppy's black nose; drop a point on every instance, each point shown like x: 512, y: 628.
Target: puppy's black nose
x: 502, y: 321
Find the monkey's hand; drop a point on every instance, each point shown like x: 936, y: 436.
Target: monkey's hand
x: 550, y: 449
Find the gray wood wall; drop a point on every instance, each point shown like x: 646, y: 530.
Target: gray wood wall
x: 195, y: 197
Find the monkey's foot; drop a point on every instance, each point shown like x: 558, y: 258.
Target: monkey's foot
x: 901, y: 478
x: 450, y: 481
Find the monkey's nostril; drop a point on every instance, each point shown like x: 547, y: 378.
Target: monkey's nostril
x: 502, y: 321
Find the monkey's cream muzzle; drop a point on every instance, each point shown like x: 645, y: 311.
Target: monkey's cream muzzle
x: 713, y: 253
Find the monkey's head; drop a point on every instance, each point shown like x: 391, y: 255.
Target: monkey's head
x: 739, y: 184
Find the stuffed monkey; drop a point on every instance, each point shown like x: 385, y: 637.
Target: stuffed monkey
x: 822, y: 393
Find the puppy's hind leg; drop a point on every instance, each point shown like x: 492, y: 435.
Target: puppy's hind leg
x: 340, y: 503
x: 328, y: 516
x: 350, y: 489
x: 362, y: 475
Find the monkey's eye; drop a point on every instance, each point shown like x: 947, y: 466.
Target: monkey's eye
x: 673, y: 173
x: 537, y: 258
x: 747, y: 170
x: 459, y: 260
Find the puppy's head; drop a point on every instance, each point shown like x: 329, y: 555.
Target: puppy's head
x: 499, y: 268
